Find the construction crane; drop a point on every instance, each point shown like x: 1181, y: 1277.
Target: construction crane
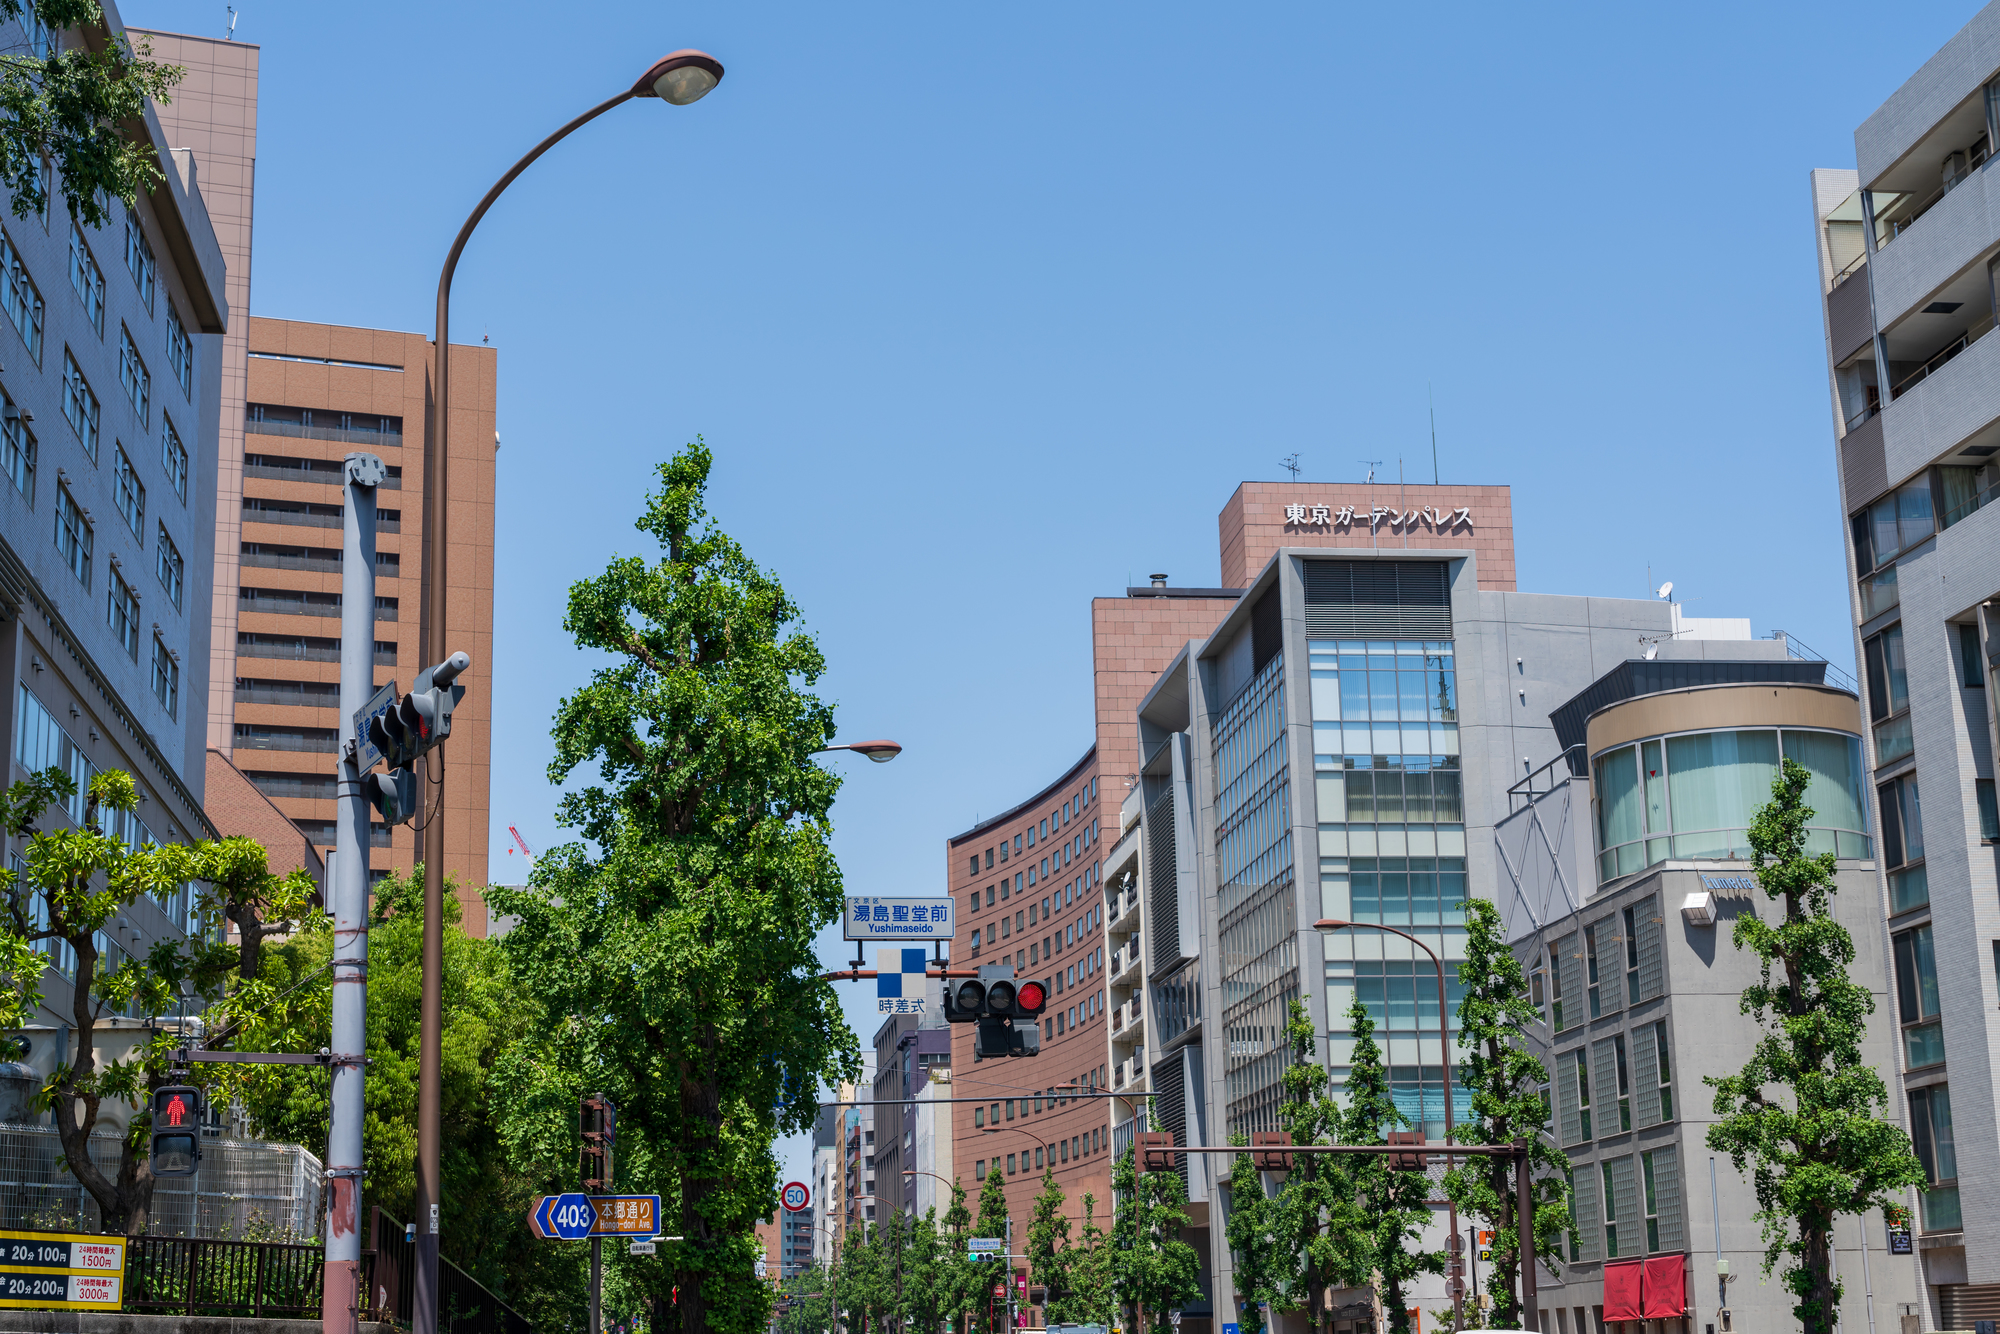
x: 521, y: 842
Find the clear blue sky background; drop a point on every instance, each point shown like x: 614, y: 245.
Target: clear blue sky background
x: 986, y: 309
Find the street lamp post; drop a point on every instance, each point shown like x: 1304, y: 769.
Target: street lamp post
x: 678, y: 79
x: 1444, y: 1050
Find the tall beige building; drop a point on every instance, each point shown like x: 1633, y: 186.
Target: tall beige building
x: 296, y: 398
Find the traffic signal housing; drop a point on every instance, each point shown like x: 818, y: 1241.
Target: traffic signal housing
x: 176, y: 1130
x: 393, y: 794
x: 411, y: 726
x: 1009, y: 1013
x: 597, y: 1117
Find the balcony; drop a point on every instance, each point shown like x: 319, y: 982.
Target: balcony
x: 1131, y: 1070
x: 1930, y: 213
x: 1124, y: 962
x: 1129, y: 1019
x: 1123, y: 902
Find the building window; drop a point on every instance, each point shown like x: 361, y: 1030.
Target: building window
x: 1582, y: 1076
x: 1590, y: 968
x: 1989, y: 808
x: 86, y: 279
x: 1917, y: 999
x: 1652, y: 1204
x: 133, y: 376
x: 1575, y: 1236
x: 1610, y: 1213
x: 74, y: 541
x: 989, y: 896
x: 180, y: 351
x: 168, y: 566
x: 1556, y: 994
x: 17, y: 449
x: 166, y: 678
x: 79, y: 405
x: 123, y: 613
x: 1010, y: 1164
x: 128, y: 492
x: 973, y: 869
x: 1930, y: 1124
x: 1624, y: 1084
x: 1883, y: 531
x: 1666, y: 1071
x: 1632, y: 955
x: 174, y: 457
x: 1903, y: 843
x: 139, y: 260
x: 1968, y: 657
x: 1888, y: 695
x: 19, y: 298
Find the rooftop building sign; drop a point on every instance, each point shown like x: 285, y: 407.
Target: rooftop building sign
x: 1439, y: 517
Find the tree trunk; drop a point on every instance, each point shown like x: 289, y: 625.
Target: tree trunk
x: 1817, y: 1260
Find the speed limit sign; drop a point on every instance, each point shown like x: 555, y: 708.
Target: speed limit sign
x: 795, y: 1196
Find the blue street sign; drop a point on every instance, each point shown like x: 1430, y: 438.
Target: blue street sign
x: 567, y: 1217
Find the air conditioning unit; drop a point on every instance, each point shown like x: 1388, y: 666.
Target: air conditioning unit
x: 1698, y: 909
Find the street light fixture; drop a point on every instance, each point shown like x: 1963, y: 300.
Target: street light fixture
x: 678, y: 79
x: 879, y: 751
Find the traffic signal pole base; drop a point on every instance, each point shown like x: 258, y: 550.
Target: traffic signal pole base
x: 340, y: 1296
x: 423, y: 1311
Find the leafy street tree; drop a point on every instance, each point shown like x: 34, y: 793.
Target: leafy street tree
x: 1804, y: 1115
x: 673, y: 948
x: 928, y: 1288
x: 73, y: 881
x: 1091, y: 1274
x: 485, y: 1012
x: 1153, y: 1270
x: 1048, y: 1242
x: 1261, y: 1269
x: 806, y: 1302
x: 992, y: 1223
x: 1390, y: 1202
x: 1494, y: 1018
x: 1316, y: 1237
x: 861, y: 1293
x: 64, y: 109
x: 962, y: 1275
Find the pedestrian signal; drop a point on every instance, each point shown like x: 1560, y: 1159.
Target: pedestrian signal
x: 176, y: 1130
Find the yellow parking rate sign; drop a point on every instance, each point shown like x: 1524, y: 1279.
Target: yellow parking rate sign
x: 61, y: 1271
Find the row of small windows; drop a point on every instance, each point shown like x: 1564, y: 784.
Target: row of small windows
x: 21, y: 300
x: 1057, y: 819
x: 1073, y: 849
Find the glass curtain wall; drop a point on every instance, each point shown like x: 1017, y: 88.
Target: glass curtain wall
x: 1391, y: 852
x: 1695, y: 795
x: 1258, y: 905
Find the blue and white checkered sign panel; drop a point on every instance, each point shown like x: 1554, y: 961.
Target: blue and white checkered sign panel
x: 899, y: 981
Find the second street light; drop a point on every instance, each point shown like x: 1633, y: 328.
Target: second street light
x: 676, y: 79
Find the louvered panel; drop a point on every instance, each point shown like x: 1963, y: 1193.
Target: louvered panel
x: 1569, y: 1123
x: 1589, y: 1220
x: 1652, y: 949
x: 1170, y: 1099
x: 1667, y: 1198
x: 1163, y: 916
x: 1646, y: 1074
x: 1610, y: 964
x: 1569, y: 965
x: 1625, y: 1195
x: 1378, y: 599
x: 1604, y: 1087
x: 1961, y: 1304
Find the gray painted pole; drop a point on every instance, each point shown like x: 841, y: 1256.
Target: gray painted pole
x: 340, y: 1309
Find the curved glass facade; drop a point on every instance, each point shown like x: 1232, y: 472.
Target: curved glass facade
x: 1694, y: 795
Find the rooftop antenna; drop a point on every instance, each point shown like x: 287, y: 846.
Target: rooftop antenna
x: 1373, y: 464
x: 1434, y: 431
x: 230, y: 36
x: 1291, y: 462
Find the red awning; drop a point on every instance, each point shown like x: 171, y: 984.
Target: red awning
x: 1621, y: 1289
x: 1665, y: 1287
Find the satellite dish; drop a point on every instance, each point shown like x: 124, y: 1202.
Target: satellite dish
x: 1665, y: 589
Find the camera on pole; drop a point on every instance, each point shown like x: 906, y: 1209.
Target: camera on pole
x: 1008, y: 1012
x: 176, y: 1130
x: 597, y: 1118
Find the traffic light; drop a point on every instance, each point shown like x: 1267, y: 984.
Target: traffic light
x: 419, y: 720
x: 176, y: 1130
x: 597, y: 1116
x: 392, y: 793
x: 1008, y: 1012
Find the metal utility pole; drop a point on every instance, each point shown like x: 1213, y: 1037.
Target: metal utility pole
x: 340, y: 1302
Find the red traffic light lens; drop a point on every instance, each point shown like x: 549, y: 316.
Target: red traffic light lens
x: 1031, y: 997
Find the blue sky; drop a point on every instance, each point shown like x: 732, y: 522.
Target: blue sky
x: 985, y: 310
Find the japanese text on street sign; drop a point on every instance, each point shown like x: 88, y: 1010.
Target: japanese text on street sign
x: 899, y: 981
x: 49, y: 1270
x: 632, y: 1215
x: 897, y: 919
x: 366, y: 757
x: 987, y: 1243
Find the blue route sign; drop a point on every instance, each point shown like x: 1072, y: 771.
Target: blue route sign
x: 568, y: 1217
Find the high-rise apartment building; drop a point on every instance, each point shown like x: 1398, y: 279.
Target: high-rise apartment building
x: 316, y: 393
x: 1907, y: 246
x: 110, y: 374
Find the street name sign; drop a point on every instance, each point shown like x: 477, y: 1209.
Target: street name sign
x: 59, y: 1271
x: 987, y: 1243
x: 898, y: 919
x: 626, y: 1215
